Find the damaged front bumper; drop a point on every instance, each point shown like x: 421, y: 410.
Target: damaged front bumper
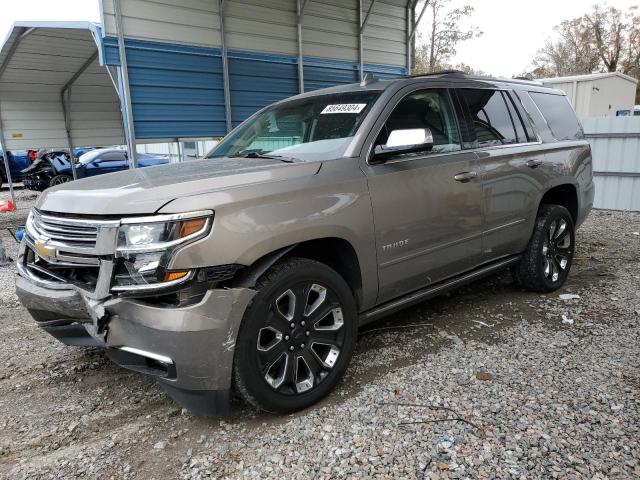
x: 188, y: 349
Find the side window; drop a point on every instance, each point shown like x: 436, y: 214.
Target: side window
x: 111, y: 157
x: 521, y: 136
x: 490, y: 117
x: 524, y: 116
x: 559, y: 115
x: 425, y: 109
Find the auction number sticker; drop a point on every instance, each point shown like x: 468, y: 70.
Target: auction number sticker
x: 344, y: 108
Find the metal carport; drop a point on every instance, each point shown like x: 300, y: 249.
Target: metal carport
x: 54, y: 93
x: 188, y: 69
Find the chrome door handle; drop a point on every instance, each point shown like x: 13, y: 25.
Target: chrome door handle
x: 465, y: 177
x: 534, y: 163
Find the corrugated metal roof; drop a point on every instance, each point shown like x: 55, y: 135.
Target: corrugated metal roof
x: 44, y: 60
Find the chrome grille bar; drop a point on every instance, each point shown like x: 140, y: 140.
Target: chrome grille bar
x: 73, y: 235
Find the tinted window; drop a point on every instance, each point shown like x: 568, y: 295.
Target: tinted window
x: 111, y: 156
x: 491, y: 119
x: 515, y: 118
x: 425, y: 109
x: 524, y: 117
x: 559, y: 115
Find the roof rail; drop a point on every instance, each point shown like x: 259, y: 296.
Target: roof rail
x: 439, y: 72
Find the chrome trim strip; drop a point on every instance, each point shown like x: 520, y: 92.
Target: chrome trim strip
x: 76, y: 221
x: 503, y: 226
x: 144, y: 353
x: 429, y: 250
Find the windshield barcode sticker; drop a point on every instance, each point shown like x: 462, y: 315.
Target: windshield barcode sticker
x: 344, y: 108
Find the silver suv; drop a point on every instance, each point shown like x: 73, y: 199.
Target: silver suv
x: 255, y: 266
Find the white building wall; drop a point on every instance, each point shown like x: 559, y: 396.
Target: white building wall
x: 597, y: 97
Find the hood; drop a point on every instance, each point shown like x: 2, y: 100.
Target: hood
x: 146, y: 190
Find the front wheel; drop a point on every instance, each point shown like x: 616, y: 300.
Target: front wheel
x: 546, y: 263
x: 60, y: 179
x: 296, y: 338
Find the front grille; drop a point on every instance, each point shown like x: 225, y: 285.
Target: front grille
x: 63, y: 231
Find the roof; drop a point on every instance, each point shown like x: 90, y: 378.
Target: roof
x: 40, y: 60
x: 457, y: 78
x: 588, y: 77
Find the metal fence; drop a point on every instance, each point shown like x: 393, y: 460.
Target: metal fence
x: 615, y: 144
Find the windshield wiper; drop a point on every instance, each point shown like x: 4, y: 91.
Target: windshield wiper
x: 263, y: 155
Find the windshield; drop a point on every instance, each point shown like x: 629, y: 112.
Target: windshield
x: 313, y: 128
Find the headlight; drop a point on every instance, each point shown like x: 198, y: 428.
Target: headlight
x: 145, y: 246
x: 154, y: 235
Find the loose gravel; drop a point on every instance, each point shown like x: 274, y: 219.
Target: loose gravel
x: 487, y: 382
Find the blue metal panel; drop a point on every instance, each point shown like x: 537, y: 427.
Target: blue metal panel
x: 177, y: 90
x: 258, y: 79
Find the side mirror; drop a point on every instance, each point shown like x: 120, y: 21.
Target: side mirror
x: 400, y: 142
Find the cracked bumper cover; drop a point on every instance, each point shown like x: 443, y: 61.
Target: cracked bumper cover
x: 199, y: 339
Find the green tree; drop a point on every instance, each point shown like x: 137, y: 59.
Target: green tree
x: 444, y: 32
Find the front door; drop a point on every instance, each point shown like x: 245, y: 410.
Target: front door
x: 427, y: 205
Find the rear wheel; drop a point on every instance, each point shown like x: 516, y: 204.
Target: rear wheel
x: 60, y: 179
x: 546, y: 263
x: 296, y: 338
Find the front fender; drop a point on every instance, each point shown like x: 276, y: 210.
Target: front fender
x: 251, y: 222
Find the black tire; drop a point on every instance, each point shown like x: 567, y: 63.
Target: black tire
x: 268, y: 371
x: 60, y: 179
x: 547, y: 260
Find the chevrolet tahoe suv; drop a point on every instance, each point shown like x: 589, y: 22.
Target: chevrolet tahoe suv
x: 254, y: 267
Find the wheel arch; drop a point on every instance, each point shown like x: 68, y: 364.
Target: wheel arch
x: 335, y: 252
x: 564, y: 194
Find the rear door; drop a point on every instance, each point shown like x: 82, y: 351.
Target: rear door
x: 428, y: 224
x: 508, y: 154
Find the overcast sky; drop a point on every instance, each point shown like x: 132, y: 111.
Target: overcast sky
x: 513, y: 29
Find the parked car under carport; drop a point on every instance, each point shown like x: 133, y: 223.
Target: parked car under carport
x: 54, y: 168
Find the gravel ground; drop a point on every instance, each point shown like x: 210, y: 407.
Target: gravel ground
x: 487, y: 382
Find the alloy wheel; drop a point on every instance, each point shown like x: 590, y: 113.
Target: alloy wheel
x: 557, y: 249
x: 302, y: 338
x: 60, y: 179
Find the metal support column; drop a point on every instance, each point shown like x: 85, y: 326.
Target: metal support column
x: 225, y: 68
x: 5, y: 154
x: 125, y: 92
x: 300, y: 6
x: 412, y: 27
x: 65, y: 100
x: 363, y: 25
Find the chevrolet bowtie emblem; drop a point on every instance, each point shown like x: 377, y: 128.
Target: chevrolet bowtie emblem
x: 43, y: 250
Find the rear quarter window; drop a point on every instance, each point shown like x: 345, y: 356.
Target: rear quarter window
x: 559, y: 115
